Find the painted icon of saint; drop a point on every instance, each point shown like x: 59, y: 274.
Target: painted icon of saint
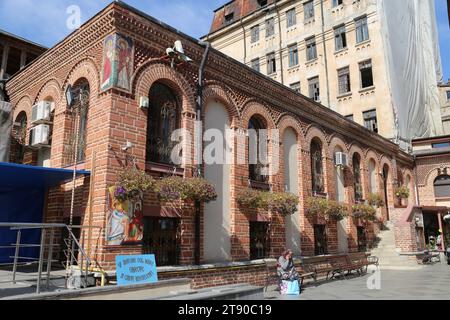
x: 108, y: 64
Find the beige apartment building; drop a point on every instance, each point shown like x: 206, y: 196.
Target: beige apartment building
x: 353, y: 56
x: 444, y: 98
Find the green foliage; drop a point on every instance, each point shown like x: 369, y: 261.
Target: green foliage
x: 336, y: 210
x: 402, y: 192
x: 132, y: 183
x: 284, y: 203
x: 376, y: 200
x: 316, y: 206
x: 178, y: 188
x: 364, y: 211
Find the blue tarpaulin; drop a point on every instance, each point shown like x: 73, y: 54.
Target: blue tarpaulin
x: 22, y: 197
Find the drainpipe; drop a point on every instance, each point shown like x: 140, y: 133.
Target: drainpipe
x: 325, y: 54
x: 198, y: 155
x: 245, y: 41
x: 280, y: 43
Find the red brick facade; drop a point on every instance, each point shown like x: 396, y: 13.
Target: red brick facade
x: 115, y: 117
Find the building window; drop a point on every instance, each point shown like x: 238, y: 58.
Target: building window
x: 337, y: 3
x: 162, y: 237
x: 259, y: 240
x: 19, y: 134
x: 357, y: 178
x: 318, y: 181
x: 13, y: 61
x: 362, y: 30
x: 314, y: 89
x: 311, y: 49
x: 229, y: 18
x: 365, y: 69
x: 257, y: 150
x: 370, y: 120
x: 270, y: 27
x: 254, y: 34
x: 441, y: 145
x: 255, y: 64
x: 340, y: 38
x: 320, y: 240
x: 308, y: 8
x: 350, y: 117
x: 448, y: 95
x: 81, y: 91
x: 362, y: 240
x: 344, y: 80
x: 293, y: 55
x: 271, y: 64
x: 163, y: 119
x: 262, y: 3
x: 291, y: 18
x: 296, y: 87
x: 442, y: 187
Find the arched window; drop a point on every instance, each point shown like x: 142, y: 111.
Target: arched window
x: 163, y: 119
x: 373, y: 176
x: 339, y: 178
x: 257, y: 150
x: 442, y: 187
x: 19, y: 135
x: 318, y: 181
x: 357, y: 177
x: 82, y: 94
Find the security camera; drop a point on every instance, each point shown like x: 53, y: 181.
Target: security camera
x: 127, y: 146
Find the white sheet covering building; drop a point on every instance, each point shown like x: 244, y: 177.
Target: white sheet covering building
x: 376, y: 62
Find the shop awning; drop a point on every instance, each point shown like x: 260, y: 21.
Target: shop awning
x: 19, y: 177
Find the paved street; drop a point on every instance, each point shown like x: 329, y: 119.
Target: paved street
x: 427, y: 283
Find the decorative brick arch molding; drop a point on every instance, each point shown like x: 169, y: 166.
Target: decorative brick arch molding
x: 391, y: 181
x: 214, y: 91
x: 431, y: 177
x: 154, y: 71
x: 314, y: 132
x: 51, y: 89
x: 23, y: 105
x: 337, y: 141
x: 251, y: 108
x: 287, y: 121
x: 354, y: 148
x: 87, y: 69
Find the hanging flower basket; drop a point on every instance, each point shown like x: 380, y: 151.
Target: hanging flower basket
x: 402, y: 192
x: 316, y: 207
x: 284, y: 203
x: 132, y: 183
x: 251, y: 199
x: 186, y: 189
x: 365, y: 212
x: 336, y: 211
x: 376, y: 200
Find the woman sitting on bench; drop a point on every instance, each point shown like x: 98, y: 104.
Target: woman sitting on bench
x: 286, y: 268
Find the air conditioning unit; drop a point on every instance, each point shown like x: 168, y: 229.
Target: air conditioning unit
x: 341, y: 159
x: 41, y: 111
x: 39, y: 136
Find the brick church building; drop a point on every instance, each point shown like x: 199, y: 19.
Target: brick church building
x: 118, y: 59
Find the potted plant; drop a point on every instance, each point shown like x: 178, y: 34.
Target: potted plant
x: 316, y: 207
x: 403, y: 194
x: 376, y: 200
x: 336, y: 210
x: 364, y: 212
x: 250, y: 199
x: 132, y: 183
x: 185, y: 189
x: 284, y: 203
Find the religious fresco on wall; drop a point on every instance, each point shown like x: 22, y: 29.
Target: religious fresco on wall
x: 118, y: 62
x: 125, y: 224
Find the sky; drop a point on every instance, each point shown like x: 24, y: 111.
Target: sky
x: 45, y: 21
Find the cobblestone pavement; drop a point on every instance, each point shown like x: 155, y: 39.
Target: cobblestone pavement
x: 427, y: 283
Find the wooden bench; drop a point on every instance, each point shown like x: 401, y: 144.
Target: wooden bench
x: 362, y: 261
x: 341, y: 266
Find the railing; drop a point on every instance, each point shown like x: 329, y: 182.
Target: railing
x: 74, y: 252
